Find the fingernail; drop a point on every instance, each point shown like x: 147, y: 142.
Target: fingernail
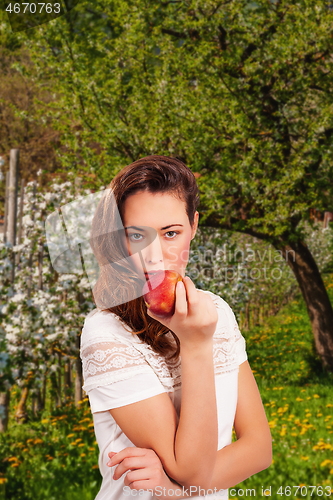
x: 109, y: 463
x: 180, y: 284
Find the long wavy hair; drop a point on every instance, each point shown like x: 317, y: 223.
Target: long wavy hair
x: 152, y: 174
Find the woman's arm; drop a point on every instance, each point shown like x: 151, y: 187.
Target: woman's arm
x: 250, y: 454
x: 187, y: 451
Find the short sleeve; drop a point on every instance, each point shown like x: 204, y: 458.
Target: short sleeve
x: 106, y: 361
x: 125, y: 392
x: 240, y: 344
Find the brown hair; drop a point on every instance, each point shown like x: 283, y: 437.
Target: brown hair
x: 152, y: 174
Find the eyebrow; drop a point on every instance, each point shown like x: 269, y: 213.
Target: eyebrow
x: 162, y: 228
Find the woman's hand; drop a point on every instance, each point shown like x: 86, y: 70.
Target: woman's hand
x: 146, y: 470
x: 194, y: 320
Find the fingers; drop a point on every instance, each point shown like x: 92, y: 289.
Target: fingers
x: 192, y: 294
x: 138, y: 479
x: 126, y: 452
x: 181, y: 301
x: 128, y: 464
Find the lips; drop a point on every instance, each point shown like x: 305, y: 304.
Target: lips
x: 150, y: 273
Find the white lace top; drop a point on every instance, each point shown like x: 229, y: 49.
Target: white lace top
x: 120, y: 369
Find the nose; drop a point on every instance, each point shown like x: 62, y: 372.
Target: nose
x: 153, y: 253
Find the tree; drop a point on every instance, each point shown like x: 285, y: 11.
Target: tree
x: 241, y: 91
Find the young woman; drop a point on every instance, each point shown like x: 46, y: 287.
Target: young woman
x: 164, y: 393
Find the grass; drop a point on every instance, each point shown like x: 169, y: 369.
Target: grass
x: 297, y: 396
x: 56, y: 456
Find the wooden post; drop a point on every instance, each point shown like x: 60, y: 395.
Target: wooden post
x: 32, y: 246
x: 67, y: 381
x: 40, y: 265
x: 20, y: 219
x: 5, y: 224
x: 247, y: 315
x: 78, y: 363
x: 78, y: 372
x: 11, y: 196
x: 59, y: 403
x: 12, y: 201
x: 4, y: 402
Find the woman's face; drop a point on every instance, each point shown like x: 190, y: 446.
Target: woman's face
x: 161, y: 236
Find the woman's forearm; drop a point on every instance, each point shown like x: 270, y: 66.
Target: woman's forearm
x: 234, y: 463
x: 196, y: 438
x: 240, y: 460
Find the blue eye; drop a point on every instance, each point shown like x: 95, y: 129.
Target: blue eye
x: 135, y: 234
x: 138, y: 234
x: 171, y: 232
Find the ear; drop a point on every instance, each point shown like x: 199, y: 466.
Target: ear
x: 195, y: 226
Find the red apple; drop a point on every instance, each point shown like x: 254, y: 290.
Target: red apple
x: 160, y: 292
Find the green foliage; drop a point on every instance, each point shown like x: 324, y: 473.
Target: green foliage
x: 241, y: 92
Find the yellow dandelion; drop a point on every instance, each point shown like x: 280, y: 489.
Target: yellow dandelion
x: 326, y: 462
x: 95, y: 467
x: 15, y: 465
x: 84, y: 420
x: 82, y: 455
x: 3, y: 480
x: 38, y: 441
x: 283, y: 431
x: 81, y: 444
x: 299, y: 399
x: 316, y: 396
x: 70, y: 435
x: 12, y: 459
x: 44, y: 421
x: 304, y: 458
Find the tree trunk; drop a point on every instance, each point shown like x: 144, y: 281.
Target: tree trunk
x: 4, y: 404
x: 21, y: 415
x: 78, y: 373
x: 299, y: 258
x: 67, y: 381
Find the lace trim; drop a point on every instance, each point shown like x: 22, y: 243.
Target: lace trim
x: 106, y: 362
x: 111, y: 355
